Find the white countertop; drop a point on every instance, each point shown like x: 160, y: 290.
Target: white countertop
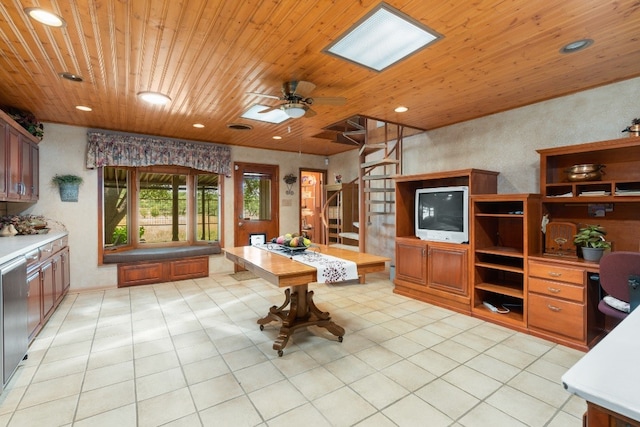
x: 14, y: 246
x: 608, y: 374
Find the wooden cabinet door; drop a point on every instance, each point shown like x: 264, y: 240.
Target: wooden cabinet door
x: 66, y: 279
x: 58, y: 280
x: 34, y: 303
x: 3, y: 159
x: 411, y: 261
x: 25, y: 170
x: 48, y: 288
x: 448, y: 269
x: 14, y: 158
x: 35, y: 172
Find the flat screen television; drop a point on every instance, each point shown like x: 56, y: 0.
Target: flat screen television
x: 442, y: 214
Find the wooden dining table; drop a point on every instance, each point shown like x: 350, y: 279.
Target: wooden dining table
x: 298, y: 309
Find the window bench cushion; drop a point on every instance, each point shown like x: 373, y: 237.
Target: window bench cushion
x: 157, y: 254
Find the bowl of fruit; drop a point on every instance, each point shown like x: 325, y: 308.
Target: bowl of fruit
x: 292, y: 242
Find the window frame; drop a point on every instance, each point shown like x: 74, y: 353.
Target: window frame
x: 132, y: 194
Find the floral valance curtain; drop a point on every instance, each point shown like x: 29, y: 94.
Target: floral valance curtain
x: 113, y: 149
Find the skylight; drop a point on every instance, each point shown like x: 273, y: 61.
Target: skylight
x: 274, y: 116
x: 384, y: 37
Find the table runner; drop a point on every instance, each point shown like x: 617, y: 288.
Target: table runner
x: 330, y: 269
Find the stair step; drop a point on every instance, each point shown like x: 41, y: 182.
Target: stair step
x: 376, y: 177
x: 380, y: 162
x: 379, y: 190
x: 380, y: 202
x: 372, y: 148
x: 379, y: 213
x: 352, y: 236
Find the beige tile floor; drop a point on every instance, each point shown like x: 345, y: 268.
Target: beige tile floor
x: 190, y: 353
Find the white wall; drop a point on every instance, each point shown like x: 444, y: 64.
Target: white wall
x: 504, y: 142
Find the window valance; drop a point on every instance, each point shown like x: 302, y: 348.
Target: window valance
x: 115, y: 149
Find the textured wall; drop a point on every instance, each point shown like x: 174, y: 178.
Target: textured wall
x: 507, y: 142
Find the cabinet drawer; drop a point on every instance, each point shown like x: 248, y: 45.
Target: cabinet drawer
x: 556, y: 316
x: 555, y: 272
x: 557, y: 289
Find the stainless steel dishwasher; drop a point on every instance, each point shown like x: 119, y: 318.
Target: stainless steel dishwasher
x: 15, y: 336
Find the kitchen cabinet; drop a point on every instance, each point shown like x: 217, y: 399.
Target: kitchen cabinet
x: 48, y: 281
x: 19, y: 160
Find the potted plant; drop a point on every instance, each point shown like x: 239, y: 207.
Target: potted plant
x: 592, y: 242
x: 634, y: 129
x: 68, y: 186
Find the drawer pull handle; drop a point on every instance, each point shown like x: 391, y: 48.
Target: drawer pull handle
x: 553, y: 308
x: 553, y: 290
x: 554, y: 274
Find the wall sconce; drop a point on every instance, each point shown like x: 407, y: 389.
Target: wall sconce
x: 290, y: 179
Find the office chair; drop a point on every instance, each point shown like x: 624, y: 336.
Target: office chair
x: 619, y: 273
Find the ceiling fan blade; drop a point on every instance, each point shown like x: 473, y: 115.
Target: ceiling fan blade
x: 310, y: 113
x: 264, y: 95
x: 330, y: 100
x: 301, y: 88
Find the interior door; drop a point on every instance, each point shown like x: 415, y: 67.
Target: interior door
x: 256, y: 202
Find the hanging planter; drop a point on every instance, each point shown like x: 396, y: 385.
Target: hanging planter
x: 69, y: 186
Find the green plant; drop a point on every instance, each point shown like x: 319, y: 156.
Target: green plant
x: 66, y: 179
x: 591, y: 236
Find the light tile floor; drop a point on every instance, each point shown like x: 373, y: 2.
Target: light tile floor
x: 190, y: 353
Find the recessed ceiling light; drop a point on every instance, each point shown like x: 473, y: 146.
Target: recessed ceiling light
x: 576, y: 46
x: 198, y: 125
x: 45, y: 17
x: 71, y: 76
x: 155, y: 98
x: 401, y: 109
x: 83, y: 108
x: 382, y: 38
x: 276, y: 137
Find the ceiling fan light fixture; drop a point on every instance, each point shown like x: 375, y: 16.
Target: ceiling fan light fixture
x: 382, y: 38
x: 294, y: 110
x: 45, y: 17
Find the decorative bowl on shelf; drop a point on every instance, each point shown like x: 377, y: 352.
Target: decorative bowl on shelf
x: 585, y: 172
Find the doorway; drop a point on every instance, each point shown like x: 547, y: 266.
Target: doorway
x: 256, y: 209
x: 311, y: 202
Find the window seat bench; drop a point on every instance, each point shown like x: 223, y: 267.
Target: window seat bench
x: 156, y: 265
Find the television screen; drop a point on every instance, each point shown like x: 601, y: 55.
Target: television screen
x: 442, y: 214
x: 441, y: 211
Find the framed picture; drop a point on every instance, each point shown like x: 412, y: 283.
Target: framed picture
x: 257, y: 239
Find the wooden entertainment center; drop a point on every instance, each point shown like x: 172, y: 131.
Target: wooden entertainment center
x: 551, y: 296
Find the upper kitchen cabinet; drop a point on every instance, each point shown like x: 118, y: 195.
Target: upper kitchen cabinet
x: 19, y: 160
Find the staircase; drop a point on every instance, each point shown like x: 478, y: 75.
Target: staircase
x: 380, y: 158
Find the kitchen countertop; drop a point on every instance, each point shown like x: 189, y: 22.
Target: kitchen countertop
x: 608, y: 374
x: 14, y: 246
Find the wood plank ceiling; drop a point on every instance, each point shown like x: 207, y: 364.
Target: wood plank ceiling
x: 208, y: 55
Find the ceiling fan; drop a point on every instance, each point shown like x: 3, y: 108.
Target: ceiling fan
x: 297, y: 102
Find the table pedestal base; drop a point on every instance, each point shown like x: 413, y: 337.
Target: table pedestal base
x: 302, y: 312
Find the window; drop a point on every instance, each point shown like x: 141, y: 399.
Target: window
x: 155, y: 202
x: 256, y: 188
